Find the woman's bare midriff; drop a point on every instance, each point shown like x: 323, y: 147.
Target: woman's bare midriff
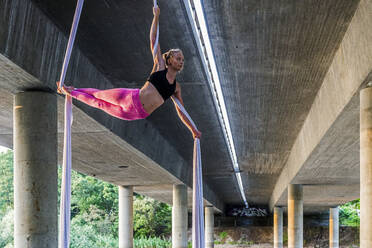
x: 150, y: 97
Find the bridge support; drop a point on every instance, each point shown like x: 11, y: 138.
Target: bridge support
x: 366, y: 168
x: 278, y: 227
x: 35, y: 170
x: 209, y: 227
x: 125, y: 217
x: 295, y: 216
x: 179, y: 216
x: 333, y: 228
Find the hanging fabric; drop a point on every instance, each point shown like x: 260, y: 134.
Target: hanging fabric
x: 64, y: 229
x: 197, y: 189
x: 65, y: 205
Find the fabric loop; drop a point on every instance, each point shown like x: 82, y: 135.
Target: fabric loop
x: 65, y: 204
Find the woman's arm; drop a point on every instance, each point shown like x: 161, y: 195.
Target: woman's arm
x: 177, y: 94
x: 159, y: 63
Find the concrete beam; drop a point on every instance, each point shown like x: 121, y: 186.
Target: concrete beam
x: 350, y: 68
x: 35, y: 170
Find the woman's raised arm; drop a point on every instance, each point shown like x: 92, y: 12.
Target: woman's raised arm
x: 159, y: 63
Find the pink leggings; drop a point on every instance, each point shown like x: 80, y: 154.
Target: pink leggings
x: 122, y: 103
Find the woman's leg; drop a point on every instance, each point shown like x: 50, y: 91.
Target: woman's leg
x: 115, y: 96
x: 89, y: 91
x: 109, y: 108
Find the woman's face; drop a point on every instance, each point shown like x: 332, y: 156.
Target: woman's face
x: 177, y: 60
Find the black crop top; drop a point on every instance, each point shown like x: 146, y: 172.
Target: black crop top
x: 160, y: 81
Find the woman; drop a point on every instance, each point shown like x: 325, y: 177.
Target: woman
x: 134, y: 104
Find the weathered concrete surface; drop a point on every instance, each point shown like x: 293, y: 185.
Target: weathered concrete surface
x: 290, y: 70
x: 334, y: 228
x: 366, y: 167
x: 272, y: 58
x: 104, y: 147
x: 295, y: 216
x: 125, y: 217
x: 323, y: 153
x: 278, y: 227
x: 209, y: 226
x: 35, y: 170
x: 179, y: 216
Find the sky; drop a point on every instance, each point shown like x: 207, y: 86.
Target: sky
x: 3, y: 149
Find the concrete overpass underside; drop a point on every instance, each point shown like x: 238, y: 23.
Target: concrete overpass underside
x: 290, y: 70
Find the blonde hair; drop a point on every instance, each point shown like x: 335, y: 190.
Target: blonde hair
x: 169, y: 54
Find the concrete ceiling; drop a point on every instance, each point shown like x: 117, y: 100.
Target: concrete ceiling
x: 274, y: 58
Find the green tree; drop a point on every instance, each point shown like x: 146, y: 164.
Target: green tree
x: 94, y: 210
x: 87, y: 191
x: 6, y: 181
x: 151, y: 218
x: 349, y: 213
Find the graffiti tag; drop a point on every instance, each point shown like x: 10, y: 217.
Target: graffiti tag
x: 248, y: 212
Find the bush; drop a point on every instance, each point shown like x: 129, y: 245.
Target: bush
x: 6, y: 230
x: 94, y: 206
x: 151, y: 218
x: 152, y: 243
x: 350, y: 213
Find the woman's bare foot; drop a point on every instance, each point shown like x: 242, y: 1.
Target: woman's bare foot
x: 65, y: 89
x: 59, y: 89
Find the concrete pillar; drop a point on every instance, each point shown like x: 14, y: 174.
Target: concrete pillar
x: 366, y: 168
x: 333, y: 228
x: 179, y: 217
x: 125, y: 217
x: 295, y: 216
x: 278, y: 227
x: 209, y: 227
x: 35, y: 170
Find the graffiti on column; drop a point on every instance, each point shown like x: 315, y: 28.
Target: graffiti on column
x: 248, y: 212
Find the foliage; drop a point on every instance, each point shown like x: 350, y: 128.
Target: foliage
x: 92, y: 230
x: 222, y: 235
x: 94, y: 212
x: 95, y: 198
x: 152, y: 243
x: 6, y: 230
x: 350, y: 213
x: 151, y: 218
x: 6, y: 181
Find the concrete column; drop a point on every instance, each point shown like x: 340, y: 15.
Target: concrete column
x: 278, y: 227
x: 333, y: 228
x: 179, y: 217
x: 125, y: 217
x: 366, y: 168
x: 209, y: 227
x: 35, y: 170
x: 295, y: 216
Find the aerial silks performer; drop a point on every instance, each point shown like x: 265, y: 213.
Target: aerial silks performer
x: 132, y: 104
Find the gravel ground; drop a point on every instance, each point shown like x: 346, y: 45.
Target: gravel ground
x: 266, y: 246
x: 244, y: 246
